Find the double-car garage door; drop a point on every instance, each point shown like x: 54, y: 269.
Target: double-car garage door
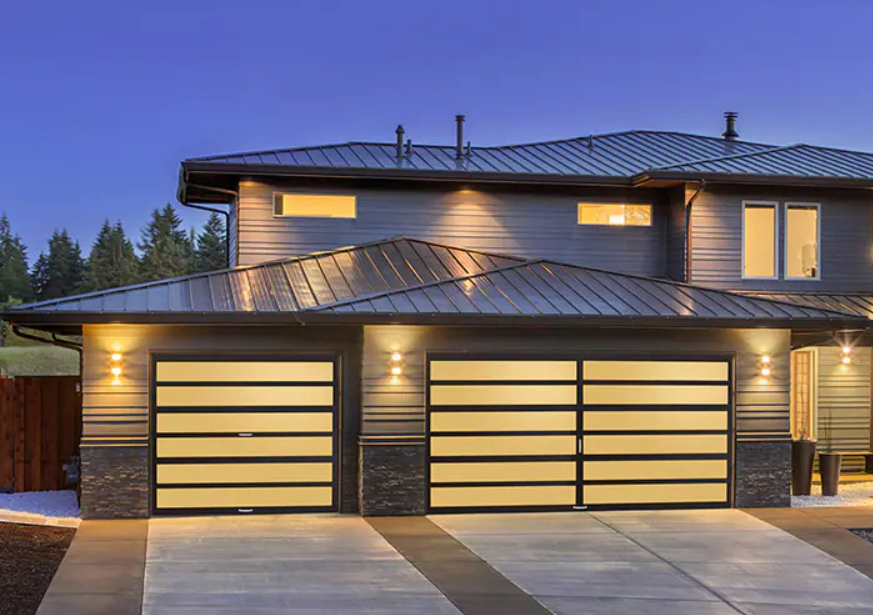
x: 563, y: 434
x: 244, y: 435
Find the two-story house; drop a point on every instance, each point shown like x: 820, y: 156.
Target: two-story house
x: 634, y: 319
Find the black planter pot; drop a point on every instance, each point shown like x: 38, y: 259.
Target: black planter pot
x: 829, y: 466
x: 802, y: 458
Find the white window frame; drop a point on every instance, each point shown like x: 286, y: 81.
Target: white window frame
x: 279, y: 195
x: 805, y: 205
x: 775, y: 206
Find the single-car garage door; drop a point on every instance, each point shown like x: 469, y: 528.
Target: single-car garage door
x: 244, y: 435
x: 563, y: 434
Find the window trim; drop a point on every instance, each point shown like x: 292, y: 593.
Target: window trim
x: 805, y: 205
x: 277, y: 199
x: 580, y: 204
x: 775, y: 206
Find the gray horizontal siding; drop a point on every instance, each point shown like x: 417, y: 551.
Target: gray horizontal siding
x: 535, y: 226
x: 119, y: 412
x: 397, y: 406
x: 844, y: 404
x: 846, y: 239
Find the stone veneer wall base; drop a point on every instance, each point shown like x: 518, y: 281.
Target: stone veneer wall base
x: 115, y: 482
x: 763, y: 474
x: 392, y: 479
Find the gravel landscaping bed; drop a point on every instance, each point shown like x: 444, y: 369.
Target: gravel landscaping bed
x: 29, y: 557
x: 48, y: 503
x: 850, y: 494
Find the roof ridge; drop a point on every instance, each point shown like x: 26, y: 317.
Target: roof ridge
x: 264, y: 264
x: 424, y: 285
x: 728, y: 157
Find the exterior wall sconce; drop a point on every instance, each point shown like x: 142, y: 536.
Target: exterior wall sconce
x: 396, y: 363
x: 766, y: 365
x: 115, y: 364
x: 846, y: 355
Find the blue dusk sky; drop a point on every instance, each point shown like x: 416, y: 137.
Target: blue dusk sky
x: 101, y: 99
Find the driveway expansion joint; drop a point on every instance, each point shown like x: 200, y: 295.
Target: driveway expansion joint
x: 469, y: 582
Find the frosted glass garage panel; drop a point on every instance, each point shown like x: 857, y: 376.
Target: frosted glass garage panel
x: 655, y: 494
x: 503, y: 370
x: 502, y: 395
x: 503, y: 421
x: 655, y: 370
x: 244, y: 371
x: 533, y: 495
x: 244, y: 497
x: 248, y: 396
x: 647, y: 395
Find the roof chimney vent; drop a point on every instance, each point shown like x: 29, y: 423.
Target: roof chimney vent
x: 730, y: 121
x: 459, y: 145
x: 400, y: 132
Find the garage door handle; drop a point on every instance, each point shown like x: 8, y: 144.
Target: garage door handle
x: 244, y: 435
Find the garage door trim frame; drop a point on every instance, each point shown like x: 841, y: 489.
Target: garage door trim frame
x: 195, y: 356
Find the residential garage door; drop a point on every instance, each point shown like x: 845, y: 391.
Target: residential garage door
x: 244, y: 435
x: 563, y: 434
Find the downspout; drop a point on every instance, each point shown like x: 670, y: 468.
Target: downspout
x: 226, y: 214
x: 700, y: 187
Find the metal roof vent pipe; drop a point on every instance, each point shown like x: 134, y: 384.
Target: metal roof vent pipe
x: 730, y: 121
x: 400, y: 132
x: 459, y: 145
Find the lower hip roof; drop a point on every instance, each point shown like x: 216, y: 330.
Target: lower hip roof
x: 860, y: 304
x: 405, y: 280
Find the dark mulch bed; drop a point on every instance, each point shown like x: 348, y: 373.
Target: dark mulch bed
x: 866, y: 534
x: 29, y: 557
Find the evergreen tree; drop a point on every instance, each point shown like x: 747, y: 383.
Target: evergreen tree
x: 14, y: 281
x: 166, y: 249
x: 112, y: 261
x: 60, y: 272
x: 211, y: 253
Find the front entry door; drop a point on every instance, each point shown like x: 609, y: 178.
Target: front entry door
x: 541, y: 434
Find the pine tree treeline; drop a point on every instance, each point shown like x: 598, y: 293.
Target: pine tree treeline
x: 165, y: 250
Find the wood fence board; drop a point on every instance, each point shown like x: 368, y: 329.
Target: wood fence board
x: 40, y: 429
x: 7, y: 442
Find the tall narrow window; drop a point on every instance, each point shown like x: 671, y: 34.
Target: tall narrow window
x: 759, y: 240
x: 803, y: 394
x: 801, y: 240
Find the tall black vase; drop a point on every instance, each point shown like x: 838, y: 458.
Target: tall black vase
x: 802, y: 458
x: 829, y: 466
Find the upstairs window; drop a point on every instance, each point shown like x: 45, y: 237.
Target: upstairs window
x: 615, y: 214
x: 759, y: 240
x: 802, y: 240
x: 315, y: 205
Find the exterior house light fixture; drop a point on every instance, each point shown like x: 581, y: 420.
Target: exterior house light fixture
x: 396, y: 363
x: 846, y: 355
x: 115, y: 364
x: 766, y: 365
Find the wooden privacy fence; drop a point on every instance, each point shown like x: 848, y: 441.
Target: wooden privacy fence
x: 40, y: 429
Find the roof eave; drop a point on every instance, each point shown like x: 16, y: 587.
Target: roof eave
x: 642, y: 179
x: 270, y: 170
x: 49, y: 319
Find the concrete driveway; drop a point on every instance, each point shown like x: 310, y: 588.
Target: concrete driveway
x: 304, y: 565
x: 670, y: 563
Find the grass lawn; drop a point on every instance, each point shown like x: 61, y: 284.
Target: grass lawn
x: 38, y: 361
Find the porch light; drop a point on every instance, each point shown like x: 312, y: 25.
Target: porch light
x: 115, y: 364
x: 765, y: 371
x: 395, y: 365
x: 765, y: 359
x: 846, y: 355
x: 766, y: 365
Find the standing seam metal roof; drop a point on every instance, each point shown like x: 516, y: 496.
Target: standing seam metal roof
x: 411, y: 277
